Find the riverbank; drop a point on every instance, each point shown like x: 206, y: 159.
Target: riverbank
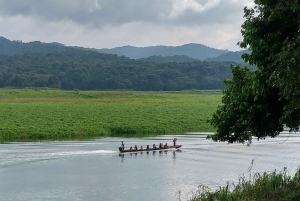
x: 275, y: 186
x: 36, y: 114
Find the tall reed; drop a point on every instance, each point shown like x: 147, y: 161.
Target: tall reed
x: 264, y: 186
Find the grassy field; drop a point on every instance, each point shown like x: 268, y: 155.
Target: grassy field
x: 31, y: 114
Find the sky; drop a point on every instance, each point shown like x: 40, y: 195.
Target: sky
x: 115, y: 23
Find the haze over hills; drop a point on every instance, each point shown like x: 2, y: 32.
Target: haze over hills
x: 8, y: 47
x: 192, y: 50
x: 230, y: 56
x: 184, y: 53
x: 167, y: 59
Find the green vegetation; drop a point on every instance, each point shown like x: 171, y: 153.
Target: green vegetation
x: 192, y: 50
x: 275, y: 186
x: 54, y: 65
x: 88, y: 70
x: 245, y: 112
x: 54, y: 114
x: 168, y: 59
x: 260, y: 103
x: 230, y: 56
x: 8, y: 47
x: 160, y: 54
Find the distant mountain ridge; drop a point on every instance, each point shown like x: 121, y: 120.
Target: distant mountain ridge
x: 54, y: 65
x: 89, y: 70
x: 8, y: 47
x: 230, y: 56
x: 167, y: 59
x: 192, y: 50
x: 158, y: 54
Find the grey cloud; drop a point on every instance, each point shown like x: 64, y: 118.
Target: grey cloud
x: 224, y: 12
x: 95, y: 12
x: 100, y: 13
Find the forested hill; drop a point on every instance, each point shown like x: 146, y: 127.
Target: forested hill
x: 8, y: 47
x: 196, y: 51
x: 89, y: 70
x: 159, y: 54
x: 230, y: 56
x: 167, y: 59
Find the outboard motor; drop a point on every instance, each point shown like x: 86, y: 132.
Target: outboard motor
x: 120, y: 149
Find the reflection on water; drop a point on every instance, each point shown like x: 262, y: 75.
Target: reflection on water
x: 91, y: 170
x: 146, y: 153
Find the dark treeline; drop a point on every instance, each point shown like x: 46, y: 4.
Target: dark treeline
x: 168, y: 59
x: 89, y: 70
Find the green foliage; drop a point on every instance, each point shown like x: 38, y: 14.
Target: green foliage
x: 271, y: 31
x: 275, y: 186
x: 54, y: 114
x: 260, y: 103
x: 54, y: 65
x: 89, y: 70
x: 245, y: 111
x: 167, y: 59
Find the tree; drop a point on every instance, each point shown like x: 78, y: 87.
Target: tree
x: 17, y: 81
x: 54, y: 82
x: 262, y: 102
x: 246, y: 112
x: 271, y: 31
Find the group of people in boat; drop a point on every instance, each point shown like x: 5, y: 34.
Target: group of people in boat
x: 161, y: 146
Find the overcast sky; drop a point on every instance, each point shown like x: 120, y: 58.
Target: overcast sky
x: 115, y: 23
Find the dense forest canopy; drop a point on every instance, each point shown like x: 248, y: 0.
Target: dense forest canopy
x: 167, y: 59
x: 260, y: 103
x: 54, y: 65
x: 89, y: 70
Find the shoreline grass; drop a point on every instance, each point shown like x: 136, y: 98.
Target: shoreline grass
x: 35, y: 114
x: 266, y: 186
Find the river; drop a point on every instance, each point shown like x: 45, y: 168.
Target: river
x: 94, y: 170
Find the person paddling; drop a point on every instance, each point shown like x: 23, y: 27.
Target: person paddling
x: 174, y: 141
x: 122, y: 145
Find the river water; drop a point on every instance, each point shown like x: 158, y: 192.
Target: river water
x: 94, y: 170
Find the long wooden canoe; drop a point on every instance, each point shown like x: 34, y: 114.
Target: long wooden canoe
x: 133, y: 150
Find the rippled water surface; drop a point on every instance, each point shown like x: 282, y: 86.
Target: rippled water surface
x: 94, y: 170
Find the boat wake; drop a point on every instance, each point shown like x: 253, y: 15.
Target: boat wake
x: 20, y: 158
x: 72, y: 153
